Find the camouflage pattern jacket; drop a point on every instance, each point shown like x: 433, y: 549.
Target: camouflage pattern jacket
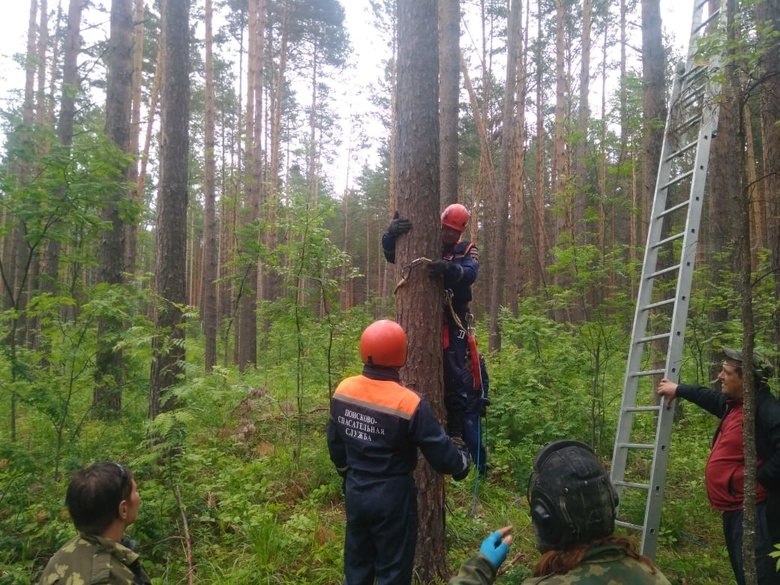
x: 605, y: 565
x: 88, y: 559
x: 476, y: 571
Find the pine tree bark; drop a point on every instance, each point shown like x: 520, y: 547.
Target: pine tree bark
x: 107, y: 394
x: 519, y: 261
x: 131, y: 239
x: 170, y: 269
x: 419, y: 301
x: 208, y: 307
x: 584, y: 188
x: 449, y: 71
x: 768, y: 13
x: 70, y: 90
x: 653, y: 102
x: 508, y: 150
x: 540, y: 237
x: 249, y: 292
x: 559, y: 162
x: 725, y: 190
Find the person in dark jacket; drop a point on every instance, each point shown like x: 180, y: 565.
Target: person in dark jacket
x: 376, y: 428
x: 465, y: 394
x: 103, y: 501
x: 725, y: 470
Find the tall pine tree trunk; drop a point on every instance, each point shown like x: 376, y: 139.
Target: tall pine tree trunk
x: 131, y: 240
x: 449, y: 71
x: 70, y: 89
x: 419, y: 302
x: 508, y: 147
x: 107, y: 394
x: 540, y: 237
x: 170, y: 279
x: 653, y: 100
x: 768, y: 17
x: 208, y: 305
x: 249, y: 292
x: 519, y: 261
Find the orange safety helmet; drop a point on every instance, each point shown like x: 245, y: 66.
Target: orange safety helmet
x: 383, y: 343
x: 455, y: 216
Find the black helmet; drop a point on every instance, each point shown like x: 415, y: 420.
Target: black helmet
x: 762, y: 369
x: 571, y: 497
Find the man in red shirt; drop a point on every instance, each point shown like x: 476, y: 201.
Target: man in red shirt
x: 725, y: 470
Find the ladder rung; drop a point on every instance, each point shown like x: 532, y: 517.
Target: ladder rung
x: 692, y: 73
x: 677, y: 179
x: 665, y: 271
x: 683, y: 150
x: 654, y: 337
x: 636, y: 445
x: 643, y: 408
x: 688, y: 96
x: 686, y: 124
x: 671, y: 239
x: 648, y: 373
x: 658, y: 304
x: 712, y: 16
x: 629, y: 484
x: 629, y: 525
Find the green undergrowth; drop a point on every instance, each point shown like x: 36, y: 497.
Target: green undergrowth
x: 238, y: 488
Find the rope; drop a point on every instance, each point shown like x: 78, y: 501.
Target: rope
x: 448, y: 301
x: 476, y: 465
x: 406, y: 270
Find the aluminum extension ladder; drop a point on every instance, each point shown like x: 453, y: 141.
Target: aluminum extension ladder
x: 641, y: 452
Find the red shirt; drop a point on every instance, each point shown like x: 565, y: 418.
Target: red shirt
x: 725, y: 471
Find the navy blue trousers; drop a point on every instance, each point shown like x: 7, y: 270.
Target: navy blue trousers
x: 381, y: 529
x: 765, y: 565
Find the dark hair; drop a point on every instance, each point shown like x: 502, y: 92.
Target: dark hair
x: 94, y: 495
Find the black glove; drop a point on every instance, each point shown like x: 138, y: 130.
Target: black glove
x: 461, y: 475
x: 399, y: 225
x: 483, y: 404
x: 458, y: 442
x: 439, y: 267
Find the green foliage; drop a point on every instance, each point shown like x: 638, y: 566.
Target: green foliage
x: 243, y: 459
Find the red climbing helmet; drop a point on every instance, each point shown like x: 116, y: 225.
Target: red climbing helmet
x: 455, y: 216
x: 383, y: 343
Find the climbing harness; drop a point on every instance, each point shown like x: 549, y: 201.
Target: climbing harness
x: 465, y: 331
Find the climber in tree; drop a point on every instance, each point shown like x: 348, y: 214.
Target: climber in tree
x: 464, y: 393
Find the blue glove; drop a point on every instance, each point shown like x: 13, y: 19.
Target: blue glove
x: 495, y: 549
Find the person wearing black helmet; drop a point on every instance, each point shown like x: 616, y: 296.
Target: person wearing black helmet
x: 725, y: 470
x: 573, y: 506
x: 465, y: 376
x: 376, y: 428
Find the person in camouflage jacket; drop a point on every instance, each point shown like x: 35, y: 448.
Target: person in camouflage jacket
x: 573, y: 507
x: 483, y: 567
x: 103, y: 501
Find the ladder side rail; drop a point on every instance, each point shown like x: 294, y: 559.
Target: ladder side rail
x: 686, y: 91
x: 644, y: 296
x: 679, y: 321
